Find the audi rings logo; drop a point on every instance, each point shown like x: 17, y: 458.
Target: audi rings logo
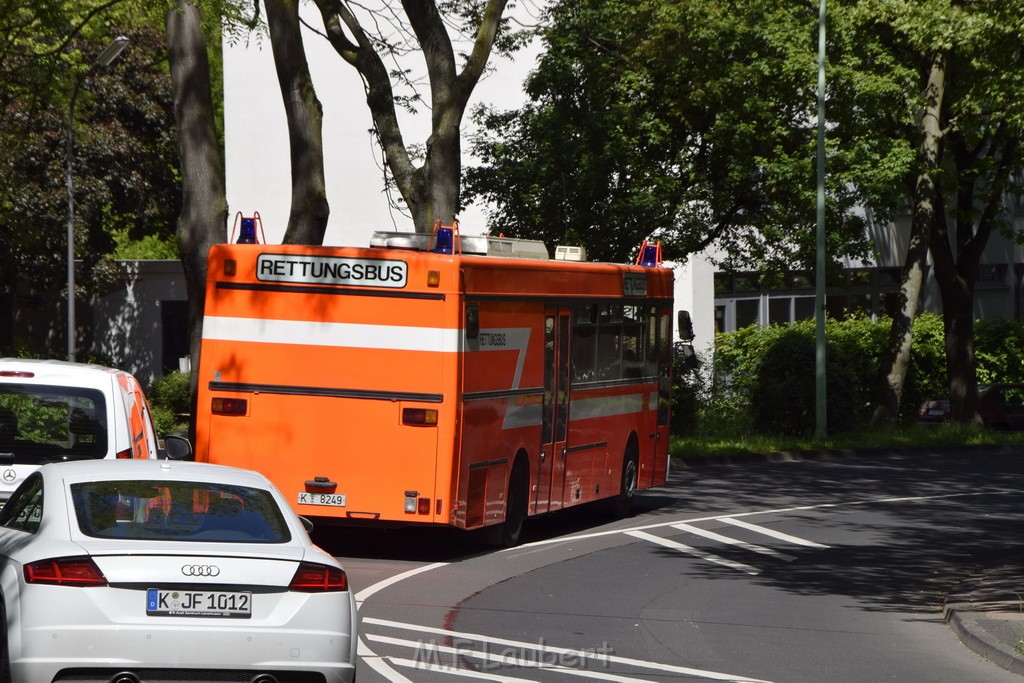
x: 200, y: 570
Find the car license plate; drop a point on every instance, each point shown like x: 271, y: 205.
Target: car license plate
x: 183, y: 603
x: 936, y: 412
x: 335, y: 499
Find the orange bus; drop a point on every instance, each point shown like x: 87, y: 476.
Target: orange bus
x: 467, y: 381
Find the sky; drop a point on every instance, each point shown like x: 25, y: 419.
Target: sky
x: 256, y: 139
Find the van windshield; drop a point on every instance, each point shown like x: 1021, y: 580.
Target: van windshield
x: 40, y: 423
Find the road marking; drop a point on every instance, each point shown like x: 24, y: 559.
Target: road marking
x: 362, y: 595
x: 675, y: 545
x: 377, y: 663
x: 453, y: 671
x: 728, y: 540
x: 543, y: 648
x: 529, y: 547
x: 771, y: 532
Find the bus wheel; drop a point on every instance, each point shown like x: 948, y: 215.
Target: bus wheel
x: 508, y: 533
x: 622, y: 502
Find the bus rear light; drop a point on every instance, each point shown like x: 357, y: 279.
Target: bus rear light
x: 439, y: 507
x: 230, y: 267
x: 229, y: 406
x: 424, y: 507
x: 410, y: 501
x: 422, y: 417
x: 433, y: 278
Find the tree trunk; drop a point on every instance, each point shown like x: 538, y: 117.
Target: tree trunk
x: 431, y: 191
x: 925, y: 199
x: 307, y: 221
x: 204, y: 209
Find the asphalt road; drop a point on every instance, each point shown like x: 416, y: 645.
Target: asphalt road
x: 825, y: 569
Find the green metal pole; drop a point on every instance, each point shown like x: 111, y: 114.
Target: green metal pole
x: 821, y: 413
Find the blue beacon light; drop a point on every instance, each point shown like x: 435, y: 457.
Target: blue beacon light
x: 247, y: 235
x: 444, y: 242
x: 650, y: 256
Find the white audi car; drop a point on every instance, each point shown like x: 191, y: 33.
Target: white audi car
x: 144, y: 571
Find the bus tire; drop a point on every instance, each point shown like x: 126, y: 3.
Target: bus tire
x: 622, y: 503
x: 509, y: 532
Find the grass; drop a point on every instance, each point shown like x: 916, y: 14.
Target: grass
x: 712, y: 443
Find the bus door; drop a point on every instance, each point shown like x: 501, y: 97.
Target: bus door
x: 551, y: 472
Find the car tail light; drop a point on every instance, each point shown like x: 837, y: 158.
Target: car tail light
x: 125, y: 454
x: 22, y: 374
x: 65, y: 571
x: 318, y: 578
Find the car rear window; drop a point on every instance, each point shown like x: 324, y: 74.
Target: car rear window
x: 39, y: 423
x: 178, y: 511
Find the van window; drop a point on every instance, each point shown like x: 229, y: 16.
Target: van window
x: 41, y: 422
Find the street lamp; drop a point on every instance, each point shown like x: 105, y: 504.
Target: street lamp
x: 105, y: 59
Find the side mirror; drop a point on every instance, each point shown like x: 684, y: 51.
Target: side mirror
x: 688, y: 355
x: 177, y: 448
x: 685, y: 326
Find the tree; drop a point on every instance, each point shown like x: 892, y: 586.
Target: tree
x: 690, y: 121
x: 307, y: 220
x: 204, y: 209
x: 431, y: 190
x: 124, y: 146
x: 953, y: 73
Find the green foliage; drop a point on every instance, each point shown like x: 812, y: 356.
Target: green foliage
x: 149, y: 247
x: 169, y: 402
x: 762, y: 380
x: 172, y: 392
x: 783, y: 398
x: 643, y: 120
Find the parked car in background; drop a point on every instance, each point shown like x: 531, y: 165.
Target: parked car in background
x: 54, y: 410
x: 1001, y: 407
x: 161, y: 570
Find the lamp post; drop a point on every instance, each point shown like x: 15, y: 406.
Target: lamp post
x: 105, y: 59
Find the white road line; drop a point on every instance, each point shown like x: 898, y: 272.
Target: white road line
x: 771, y: 532
x: 499, y: 658
x: 377, y: 663
x: 362, y: 595
x: 529, y: 547
x: 453, y: 671
x: 728, y: 540
x: 675, y: 545
x: 551, y: 650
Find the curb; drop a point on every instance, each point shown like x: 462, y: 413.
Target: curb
x: 964, y: 622
x: 843, y: 454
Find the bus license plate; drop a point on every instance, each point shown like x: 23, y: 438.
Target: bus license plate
x: 183, y: 603
x: 334, y: 499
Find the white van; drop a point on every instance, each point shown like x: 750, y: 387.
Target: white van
x: 54, y: 410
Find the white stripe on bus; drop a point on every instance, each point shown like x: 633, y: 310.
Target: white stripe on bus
x: 309, y: 333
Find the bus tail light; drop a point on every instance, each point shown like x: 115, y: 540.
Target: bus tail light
x: 229, y: 406
x: 424, y: 506
x: 410, y: 501
x: 420, y: 417
x: 433, y: 278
